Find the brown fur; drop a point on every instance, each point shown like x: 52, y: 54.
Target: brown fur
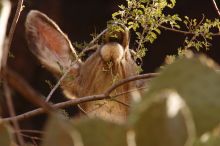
x: 110, y: 63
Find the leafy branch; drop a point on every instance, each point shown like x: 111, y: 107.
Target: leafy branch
x: 145, y: 18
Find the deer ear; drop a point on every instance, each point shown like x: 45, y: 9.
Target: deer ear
x: 51, y: 46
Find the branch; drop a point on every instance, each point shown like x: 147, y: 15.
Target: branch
x: 216, y: 7
x: 56, y: 106
x: 58, y: 83
x: 11, y: 31
x: 12, y: 112
x: 76, y: 101
x: 5, y: 13
x: 182, y: 31
x: 20, y: 85
x: 127, y: 80
x: 93, y: 41
x: 6, y: 88
x: 121, y: 102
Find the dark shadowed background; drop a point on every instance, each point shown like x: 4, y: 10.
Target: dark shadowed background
x: 79, y: 19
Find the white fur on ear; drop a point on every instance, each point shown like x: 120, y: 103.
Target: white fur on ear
x: 112, y: 51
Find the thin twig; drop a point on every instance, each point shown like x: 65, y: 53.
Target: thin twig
x: 4, y: 63
x: 176, y: 30
x: 12, y: 30
x: 58, y: 84
x: 127, y: 80
x: 31, y: 131
x: 142, y: 38
x: 182, y: 31
x: 129, y: 91
x: 5, y: 13
x: 31, y: 137
x: 126, y: 92
x: 97, y: 37
x: 121, y: 102
x: 89, y: 49
x: 12, y: 112
x: 82, y: 110
x: 58, y: 105
x: 76, y: 101
x: 216, y: 7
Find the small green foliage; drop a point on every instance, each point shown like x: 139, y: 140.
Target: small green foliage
x: 113, y: 29
x: 109, y: 68
x: 62, y: 70
x: 170, y: 59
x: 201, y: 33
x: 48, y: 82
x: 70, y: 77
x: 63, y: 113
x: 144, y: 18
x: 139, y: 69
x: 11, y: 55
x: 80, y: 45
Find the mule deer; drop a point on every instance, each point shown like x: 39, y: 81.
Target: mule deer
x: 112, y: 60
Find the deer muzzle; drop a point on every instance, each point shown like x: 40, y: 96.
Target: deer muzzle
x: 112, y: 52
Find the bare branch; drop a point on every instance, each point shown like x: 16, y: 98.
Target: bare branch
x: 76, y: 101
x: 182, y: 31
x: 133, y: 78
x: 5, y: 13
x: 89, y: 49
x: 20, y: 85
x: 82, y: 110
x: 31, y: 131
x: 58, y: 84
x: 4, y: 63
x: 216, y: 7
x: 12, y: 112
x: 97, y: 37
x: 58, y: 105
x: 129, y: 91
x: 121, y: 102
x: 11, y: 31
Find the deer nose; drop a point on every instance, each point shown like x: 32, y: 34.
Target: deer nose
x: 112, y: 52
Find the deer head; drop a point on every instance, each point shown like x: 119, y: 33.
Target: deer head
x: 110, y: 62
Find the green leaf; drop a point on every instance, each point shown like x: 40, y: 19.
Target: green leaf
x: 164, y: 120
x: 198, y: 83
x: 60, y: 132
x: 96, y: 132
x: 6, y: 138
x: 157, y: 30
